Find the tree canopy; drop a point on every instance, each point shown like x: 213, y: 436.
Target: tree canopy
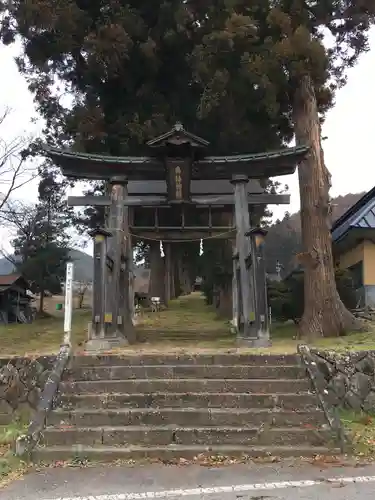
x: 130, y: 70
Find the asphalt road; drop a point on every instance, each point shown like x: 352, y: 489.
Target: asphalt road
x: 289, y: 481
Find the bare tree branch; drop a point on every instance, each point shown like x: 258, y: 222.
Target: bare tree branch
x: 10, y: 258
x: 15, y: 171
x: 80, y: 291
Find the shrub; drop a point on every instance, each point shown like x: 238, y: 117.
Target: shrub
x: 286, y: 298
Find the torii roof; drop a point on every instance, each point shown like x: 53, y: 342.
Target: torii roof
x: 178, y: 136
x: 256, y: 166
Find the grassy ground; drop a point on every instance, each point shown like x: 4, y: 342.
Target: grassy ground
x: 187, y: 317
x: 185, y: 314
x: 42, y: 337
x: 285, y: 335
x: 10, y: 466
x: 187, y: 325
x: 361, y: 430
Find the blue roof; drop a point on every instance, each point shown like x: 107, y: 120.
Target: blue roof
x: 360, y: 216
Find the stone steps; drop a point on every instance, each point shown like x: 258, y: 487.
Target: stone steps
x: 170, y: 434
x: 173, y: 452
x: 287, y: 401
x: 225, y: 358
x: 185, y: 371
x: 186, y: 416
x: 147, y: 335
x: 149, y: 386
x: 175, y: 406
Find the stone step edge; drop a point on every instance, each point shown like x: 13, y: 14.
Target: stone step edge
x: 152, y: 380
x: 127, y: 359
x: 114, y: 411
x: 173, y: 451
x: 193, y: 394
x: 192, y: 355
x: 218, y: 365
x: 172, y: 427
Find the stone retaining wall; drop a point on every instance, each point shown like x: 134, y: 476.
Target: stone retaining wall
x: 346, y: 380
x: 21, y: 383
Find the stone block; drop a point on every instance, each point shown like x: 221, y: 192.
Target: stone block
x: 366, y: 365
x: 339, y: 385
x: 145, y: 435
x: 320, y: 382
x: 43, y: 378
x: 331, y: 397
x: 33, y: 397
x: 353, y: 401
x: 326, y: 368
x: 3, y: 390
x: 16, y: 393
x: 369, y: 403
x: 30, y: 374
x: 19, y: 363
x: 67, y: 436
x: 356, y: 357
x: 6, y: 418
x: 5, y: 407
x: 8, y: 374
x: 24, y: 412
x: 360, y: 384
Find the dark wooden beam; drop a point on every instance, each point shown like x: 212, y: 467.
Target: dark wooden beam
x: 105, y: 201
x: 185, y: 235
x: 183, y: 229
x: 153, y: 201
x: 252, y: 199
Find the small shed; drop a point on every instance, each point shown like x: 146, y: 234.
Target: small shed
x: 15, y: 300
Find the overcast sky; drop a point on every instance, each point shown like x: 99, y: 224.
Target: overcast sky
x: 349, y: 128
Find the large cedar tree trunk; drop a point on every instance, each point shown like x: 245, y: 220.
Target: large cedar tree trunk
x: 324, y: 314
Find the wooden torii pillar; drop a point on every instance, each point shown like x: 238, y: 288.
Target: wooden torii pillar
x: 250, y: 313
x: 112, y: 313
x: 97, y: 329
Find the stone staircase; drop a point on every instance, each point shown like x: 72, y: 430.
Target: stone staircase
x: 180, y: 406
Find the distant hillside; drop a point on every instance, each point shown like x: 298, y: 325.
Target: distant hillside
x: 284, y: 237
x: 83, y: 266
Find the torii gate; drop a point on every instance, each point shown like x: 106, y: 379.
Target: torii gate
x: 174, y: 175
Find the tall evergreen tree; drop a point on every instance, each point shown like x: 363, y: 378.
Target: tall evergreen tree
x: 277, y: 49
x: 41, y: 247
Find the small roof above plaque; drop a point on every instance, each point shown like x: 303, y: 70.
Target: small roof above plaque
x: 177, y: 136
